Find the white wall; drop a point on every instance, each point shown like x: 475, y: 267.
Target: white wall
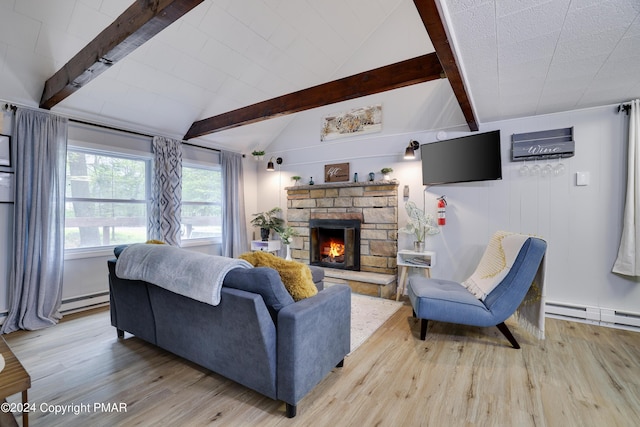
x: 582, y: 224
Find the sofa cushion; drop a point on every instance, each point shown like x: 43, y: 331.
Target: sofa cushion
x: 118, y: 250
x: 262, y: 281
x: 317, y: 275
x: 295, y: 275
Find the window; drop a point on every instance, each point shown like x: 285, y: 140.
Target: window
x: 201, y: 202
x: 106, y: 198
x: 108, y: 193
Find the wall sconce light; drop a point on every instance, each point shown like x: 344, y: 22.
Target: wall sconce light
x: 410, y: 152
x: 270, y: 167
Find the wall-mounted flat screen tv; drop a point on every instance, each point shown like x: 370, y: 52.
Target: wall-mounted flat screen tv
x: 469, y: 158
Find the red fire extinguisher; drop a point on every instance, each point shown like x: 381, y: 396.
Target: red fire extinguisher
x: 442, y: 204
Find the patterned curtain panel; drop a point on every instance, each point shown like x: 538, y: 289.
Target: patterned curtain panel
x: 38, y: 235
x: 234, y: 222
x: 166, y: 192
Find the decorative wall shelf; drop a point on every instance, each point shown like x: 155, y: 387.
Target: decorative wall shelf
x: 546, y: 144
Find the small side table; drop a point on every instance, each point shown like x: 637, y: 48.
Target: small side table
x: 266, y: 246
x: 13, y: 379
x: 408, y: 258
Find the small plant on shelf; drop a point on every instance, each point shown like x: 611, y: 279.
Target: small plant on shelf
x: 296, y: 178
x: 258, y: 154
x: 268, y: 221
x: 385, y: 173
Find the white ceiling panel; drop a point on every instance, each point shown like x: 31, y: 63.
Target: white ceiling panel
x: 551, y: 55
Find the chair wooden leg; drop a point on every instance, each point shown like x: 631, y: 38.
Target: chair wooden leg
x: 507, y: 333
x: 423, y: 328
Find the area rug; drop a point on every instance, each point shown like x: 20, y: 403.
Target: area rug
x: 367, y: 315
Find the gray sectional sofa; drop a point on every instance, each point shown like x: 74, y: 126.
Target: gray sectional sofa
x: 256, y: 336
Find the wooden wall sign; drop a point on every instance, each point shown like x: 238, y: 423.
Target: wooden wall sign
x: 338, y: 172
x: 546, y: 144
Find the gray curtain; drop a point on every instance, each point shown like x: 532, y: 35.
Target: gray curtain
x: 37, y: 267
x: 166, y: 192
x: 234, y: 226
x: 628, y: 260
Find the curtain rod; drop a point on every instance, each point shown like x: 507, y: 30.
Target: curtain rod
x: 132, y: 132
x: 625, y: 106
x: 9, y: 106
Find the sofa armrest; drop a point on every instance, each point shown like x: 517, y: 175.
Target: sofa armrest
x: 314, y: 336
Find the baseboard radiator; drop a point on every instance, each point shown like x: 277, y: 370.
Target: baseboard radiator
x: 84, y: 302
x: 76, y: 304
x: 594, y: 315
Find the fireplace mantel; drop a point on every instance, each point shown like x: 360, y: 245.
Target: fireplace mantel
x: 374, y: 203
x: 393, y: 182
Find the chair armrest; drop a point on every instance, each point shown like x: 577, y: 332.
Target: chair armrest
x: 314, y: 336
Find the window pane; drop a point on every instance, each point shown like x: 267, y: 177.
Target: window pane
x: 201, y: 185
x: 201, y: 203
x: 104, y: 177
x: 91, y: 224
x: 200, y: 222
x: 119, y: 213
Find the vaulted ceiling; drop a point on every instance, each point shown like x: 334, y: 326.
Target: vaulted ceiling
x: 517, y: 58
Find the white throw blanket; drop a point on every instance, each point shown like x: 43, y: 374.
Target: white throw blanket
x: 192, y: 274
x: 530, y: 313
x: 496, y: 262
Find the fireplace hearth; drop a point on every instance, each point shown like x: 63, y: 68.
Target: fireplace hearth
x: 335, y: 243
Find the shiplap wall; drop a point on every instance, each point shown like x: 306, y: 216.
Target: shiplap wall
x: 581, y: 223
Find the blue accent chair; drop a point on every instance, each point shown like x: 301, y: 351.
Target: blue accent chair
x: 449, y: 301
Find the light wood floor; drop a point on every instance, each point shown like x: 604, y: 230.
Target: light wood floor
x: 581, y: 375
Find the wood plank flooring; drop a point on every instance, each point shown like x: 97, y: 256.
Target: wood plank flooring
x: 581, y: 375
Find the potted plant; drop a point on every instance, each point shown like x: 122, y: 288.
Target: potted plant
x: 296, y: 178
x: 385, y: 173
x: 268, y: 221
x: 286, y: 234
x: 258, y: 154
x: 419, y: 224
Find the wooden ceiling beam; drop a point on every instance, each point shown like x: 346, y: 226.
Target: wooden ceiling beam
x: 139, y: 23
x: 405, y: 73
x: 432, y: 21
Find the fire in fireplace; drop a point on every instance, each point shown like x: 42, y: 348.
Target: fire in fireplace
x: 335, y: 243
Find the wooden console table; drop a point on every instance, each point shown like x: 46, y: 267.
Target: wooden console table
x: 13, y: 379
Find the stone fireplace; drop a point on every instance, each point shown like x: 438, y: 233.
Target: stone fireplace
x: 373, y: 204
